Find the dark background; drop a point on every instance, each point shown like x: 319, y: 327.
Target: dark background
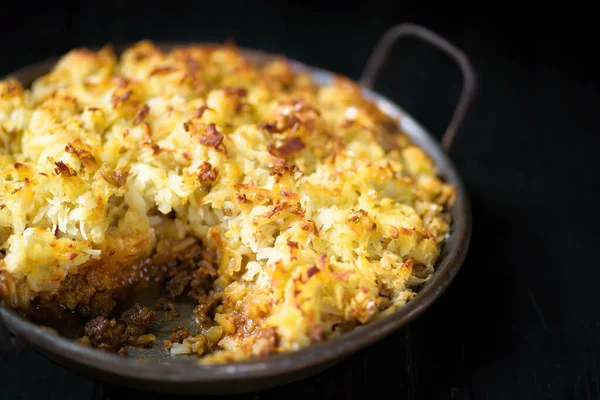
x: 522, y: 319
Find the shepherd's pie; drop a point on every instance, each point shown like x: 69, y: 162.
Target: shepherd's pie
x: 288, y: 211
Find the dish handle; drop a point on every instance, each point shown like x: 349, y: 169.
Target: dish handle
x: 381, y: 52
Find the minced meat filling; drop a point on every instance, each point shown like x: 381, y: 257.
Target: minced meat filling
x: 131, y: 329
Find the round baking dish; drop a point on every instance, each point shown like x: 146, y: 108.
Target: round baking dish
x: 160, y: 372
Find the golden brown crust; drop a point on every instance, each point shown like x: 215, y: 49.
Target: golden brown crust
x: 314, y: 212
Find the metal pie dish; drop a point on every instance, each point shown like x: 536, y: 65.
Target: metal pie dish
x: 158, y: 371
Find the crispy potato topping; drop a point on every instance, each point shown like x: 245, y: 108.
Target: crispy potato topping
x: 315, y: 213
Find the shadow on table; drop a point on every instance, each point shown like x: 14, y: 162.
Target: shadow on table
x: 476, y: 337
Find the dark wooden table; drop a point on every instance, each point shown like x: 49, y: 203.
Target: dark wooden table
x: 522, y: 319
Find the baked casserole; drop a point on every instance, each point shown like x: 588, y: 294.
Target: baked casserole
x: 288, y: 212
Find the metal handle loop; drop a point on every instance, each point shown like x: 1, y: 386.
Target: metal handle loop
x: 381, y: 52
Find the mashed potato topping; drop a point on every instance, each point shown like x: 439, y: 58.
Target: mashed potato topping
x: 314, y: 212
